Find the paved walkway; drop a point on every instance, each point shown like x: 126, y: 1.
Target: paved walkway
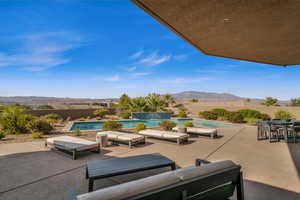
x: 30, y: 171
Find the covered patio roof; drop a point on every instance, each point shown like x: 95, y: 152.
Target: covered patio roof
x: 264, y: 31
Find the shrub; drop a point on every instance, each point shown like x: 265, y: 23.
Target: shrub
x: 208, y: 115
x: 112, y: 125
x: 194, y: 100
x: 222, y: 118
x: 283, y: 115
x: 269, y: 101
x: 81, y: 119
x: 140, y: 126
x: 52, y: 116
x: 167, y: 125
x: 69, y: 118
x: 235, y: 117
x: 182, y: 114
x: 77, y: 132
x: 13, y: 120
x: 265, y: 116
x: 250, y: 113
x: 188, y: 124
x: 220, y: 112
x: 125, y: 114
x: 100, y: 112
x: 2, y: 134
x: 252, y: 121
x: 45, y: 107
x: 39, y: 125
x: 295, y: 102
x: 37, y: 135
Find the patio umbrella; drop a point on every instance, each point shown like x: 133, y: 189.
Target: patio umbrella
x: 264, y: 31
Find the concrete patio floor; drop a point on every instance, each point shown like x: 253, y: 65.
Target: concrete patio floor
x: 271, y: 170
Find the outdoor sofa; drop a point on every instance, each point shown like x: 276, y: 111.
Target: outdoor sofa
x: 214, y: 181
x: 72, y: 145
x: 210, y: 132
x: 167, y: 135
x: 121, y: 137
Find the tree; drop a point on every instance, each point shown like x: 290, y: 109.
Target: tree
x: 295, y: 102
x: 194, y: 100
x: 269, y: 101
x: 100, y: 112
x: 169, y: 99
x: 283, y: 115
x: 156, y: 102
x: 124, y: 101
x: 13, y: 120
x: 138, y: 104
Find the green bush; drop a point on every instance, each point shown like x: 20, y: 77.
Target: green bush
x: 252, y: 121
x: 220, y: 112
x: 283, y: 115
x: 13, y: 120
x: 269, y: 101
x: 37, y: 135
x: 182, y: 114
x: 39, y: 125
x: 125, y: 114
x: 295, y: 102
x: 52, y: 116
x: 112, y: 125
x: 222, y: 118
x: 194, y: 100
x: 45, y: 107
x: 208, y: 115
x: 69, y: 118
x: 81, y: 119
x: 2, y: 134
x: 250, y: 113
x: 100, y: 113
x: 188, y: 124
x: 235, y: 117
x: 265, y: 116
x: 140, y: 126
x: 167, y: 125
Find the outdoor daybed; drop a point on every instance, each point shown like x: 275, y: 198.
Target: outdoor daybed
x: 72, y: 145
x: 121, y: 137
x: 211, y: 132
x: 212, y: 181
x: 168, y: 135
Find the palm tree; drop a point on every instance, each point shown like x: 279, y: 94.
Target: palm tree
x: 138, y: 104
x: 169, y: 99
x: 156, y: 102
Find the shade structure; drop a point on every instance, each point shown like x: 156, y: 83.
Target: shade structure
x: 264, y: 31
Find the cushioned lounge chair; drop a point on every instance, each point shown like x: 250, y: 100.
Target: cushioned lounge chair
x: 121, y: 137
x: 168, y: 135
x: 211, y: 132
x: 211, y: 181
x: 72, y: 145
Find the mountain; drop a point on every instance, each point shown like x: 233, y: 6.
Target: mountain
x: 205, y: 96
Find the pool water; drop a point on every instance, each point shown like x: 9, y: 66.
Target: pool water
x: 98, y: 125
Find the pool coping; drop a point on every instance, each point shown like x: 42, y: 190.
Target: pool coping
x: 93, y: 130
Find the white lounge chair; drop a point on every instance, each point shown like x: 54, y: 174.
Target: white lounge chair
x: 130, y: 139
x: 72, y: 145
x: 169, y: 135
x: 211, y: 132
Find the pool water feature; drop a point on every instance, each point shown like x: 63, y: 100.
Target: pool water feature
x: 98, y: 125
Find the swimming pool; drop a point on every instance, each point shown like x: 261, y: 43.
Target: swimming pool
x: 97, y: 125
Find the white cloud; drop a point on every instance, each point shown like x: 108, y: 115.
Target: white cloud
x: 154, y: 59
x: 138, y: 74
x: 41, y: 51
x: 180, y: 57
x: 114, y: 78
x: 136, y: 54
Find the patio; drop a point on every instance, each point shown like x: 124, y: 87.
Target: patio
x: 271, y: 170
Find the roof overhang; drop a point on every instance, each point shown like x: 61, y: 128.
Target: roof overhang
x: 264, y: 31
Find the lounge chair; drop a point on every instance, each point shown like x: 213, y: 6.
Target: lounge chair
x: 72, y: 145
x: 168, y: 135
x: 216, y: 180
x: 121, y: 137
x: 211, y: 132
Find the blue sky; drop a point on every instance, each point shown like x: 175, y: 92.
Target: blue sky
x: 101, y: 49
